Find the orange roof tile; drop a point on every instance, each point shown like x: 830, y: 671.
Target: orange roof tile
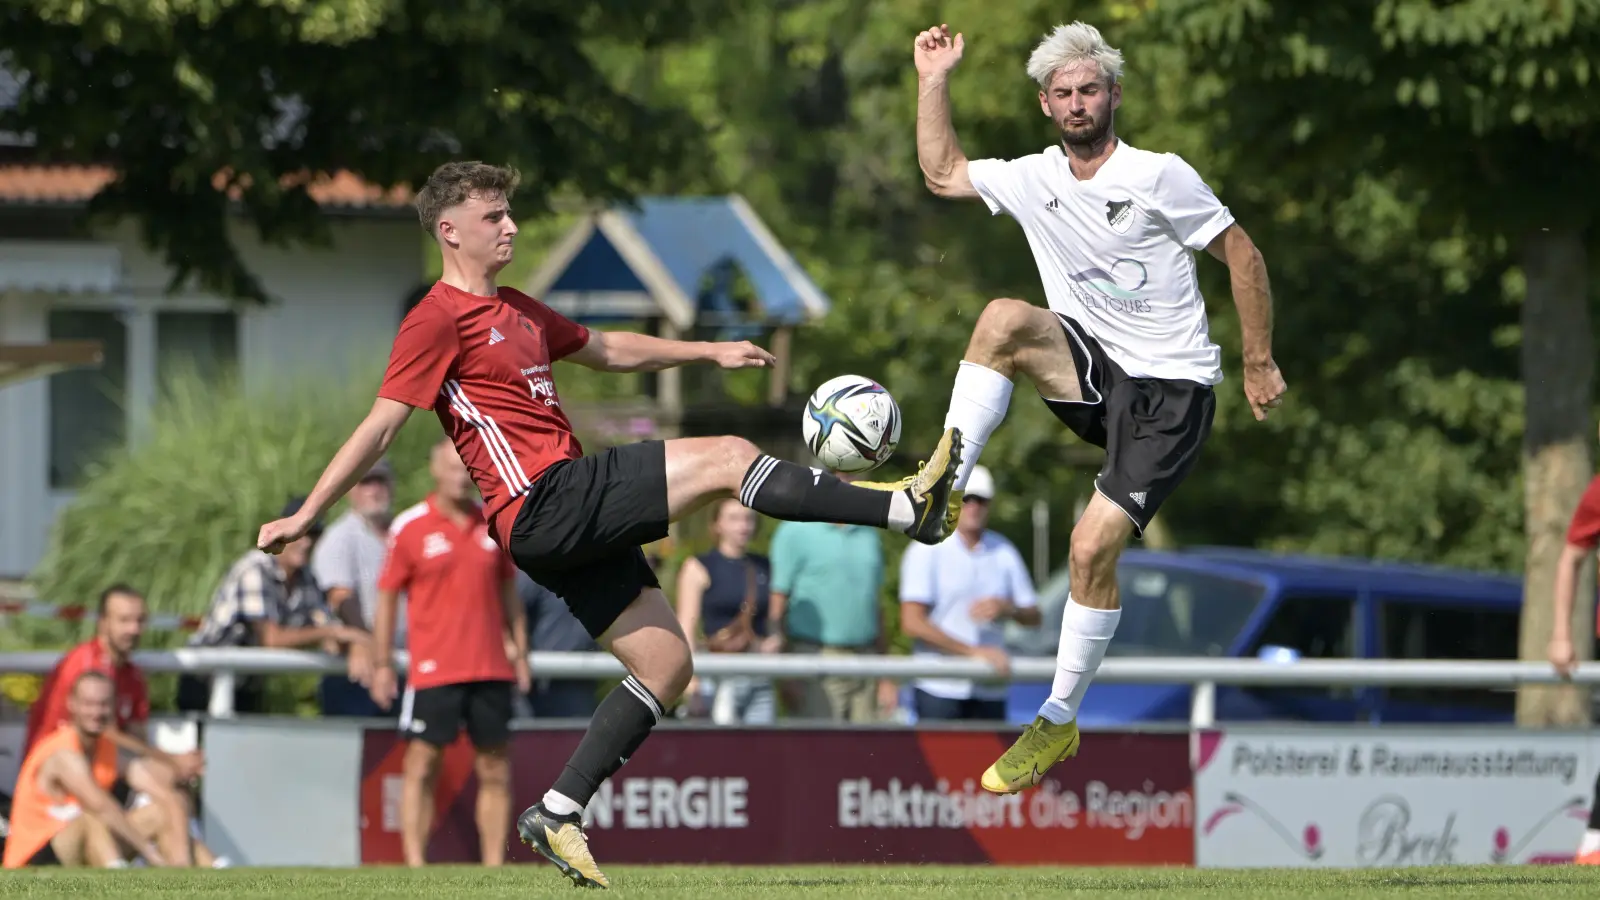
x: 72, y: 184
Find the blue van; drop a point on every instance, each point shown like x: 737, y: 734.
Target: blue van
x: 1232, y: 602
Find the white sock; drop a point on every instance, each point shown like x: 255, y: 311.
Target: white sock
x: 561, y: 804
x: 901, y: 515
x: 977, y: 406
x: 1590, y: 842
x: 1085, y: 632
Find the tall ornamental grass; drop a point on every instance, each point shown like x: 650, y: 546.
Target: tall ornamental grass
x: 170, y: 512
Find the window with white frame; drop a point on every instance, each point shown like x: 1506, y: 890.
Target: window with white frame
x: 204, y: 343
x: 87, y: 406
x: 94, y: 410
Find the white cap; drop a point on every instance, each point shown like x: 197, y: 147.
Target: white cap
x: 979, y: 484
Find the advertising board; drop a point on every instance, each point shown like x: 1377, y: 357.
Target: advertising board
x: 704, y: 795
x: 1363, y: 797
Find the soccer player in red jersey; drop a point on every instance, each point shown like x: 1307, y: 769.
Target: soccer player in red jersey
x: 1583, y: 536
x: 479, y: 356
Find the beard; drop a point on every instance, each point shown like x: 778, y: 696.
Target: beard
x: 1084, y: 135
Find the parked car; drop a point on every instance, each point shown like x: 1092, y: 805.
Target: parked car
x: 1231, y: 602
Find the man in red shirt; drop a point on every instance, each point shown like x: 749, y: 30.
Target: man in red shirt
x: 461, y: 599
x: 162, y: 777
x: 479, y: 356
x: 1583, y: 536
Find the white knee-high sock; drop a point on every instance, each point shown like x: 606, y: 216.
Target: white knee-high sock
x: 977, y: 406
x: 1085, y: 632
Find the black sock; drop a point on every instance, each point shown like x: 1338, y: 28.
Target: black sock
x: 620, y: 724
x: 1594, y: 807
x: 786, y: 490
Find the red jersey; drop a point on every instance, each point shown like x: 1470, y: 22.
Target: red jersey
x: 454, y: 578
x: 482, y: 364
x: 1584, y: 531
x: 131, y: 697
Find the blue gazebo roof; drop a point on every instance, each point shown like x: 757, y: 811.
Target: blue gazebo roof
x: 656, y: 259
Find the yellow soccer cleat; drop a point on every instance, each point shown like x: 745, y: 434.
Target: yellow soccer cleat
x: 562, y: 841
x: 930, y: 489
x: 1041, y: 746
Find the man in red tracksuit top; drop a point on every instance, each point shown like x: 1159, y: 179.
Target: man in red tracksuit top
x: 461, y: 601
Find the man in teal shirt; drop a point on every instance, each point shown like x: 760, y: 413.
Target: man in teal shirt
x: 827, y: 579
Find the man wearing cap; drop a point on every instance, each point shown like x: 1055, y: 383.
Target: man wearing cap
x: 955, y: 597
x: 346, y: 562
x: 272, y: 601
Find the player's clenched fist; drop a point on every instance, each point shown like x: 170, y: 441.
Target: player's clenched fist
x: 936, y: 51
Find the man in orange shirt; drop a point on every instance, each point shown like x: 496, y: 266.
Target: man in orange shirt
x: 63, y: 813
x: 159, y: 777
x: 461, y: 600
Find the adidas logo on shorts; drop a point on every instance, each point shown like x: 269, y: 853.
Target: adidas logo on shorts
x: 495, y: 336
x: 1137, y: 497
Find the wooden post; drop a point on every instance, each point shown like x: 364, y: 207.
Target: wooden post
x: 778, y: 383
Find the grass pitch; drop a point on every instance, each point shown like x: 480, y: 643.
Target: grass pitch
x: 527, y: 882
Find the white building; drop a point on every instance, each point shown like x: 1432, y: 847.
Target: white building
x: 59, y: 284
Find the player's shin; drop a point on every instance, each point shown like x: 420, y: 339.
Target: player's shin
x: 1085, y: 634
x: 619, y: 726
x: 978, y: 404
x: 786, y: 490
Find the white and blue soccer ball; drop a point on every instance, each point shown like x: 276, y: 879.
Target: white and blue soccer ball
x: 851, y: 424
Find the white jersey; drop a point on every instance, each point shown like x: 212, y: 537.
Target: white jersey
x: 1116, y: 252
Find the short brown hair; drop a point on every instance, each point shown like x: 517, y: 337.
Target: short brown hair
x: 455, y: 182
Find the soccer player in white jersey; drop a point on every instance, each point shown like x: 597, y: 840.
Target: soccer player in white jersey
x: 1122, y: 353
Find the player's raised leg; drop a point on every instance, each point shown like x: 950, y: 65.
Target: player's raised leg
x: 700, y: 470
x: 1087, y: 625
x: 1010, y: 337
x: 648, y: 641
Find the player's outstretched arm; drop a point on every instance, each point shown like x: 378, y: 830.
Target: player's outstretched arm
x: 1252, y: 295
x: 360, y: 452
x: 944, y: 166
x: 627, y: 351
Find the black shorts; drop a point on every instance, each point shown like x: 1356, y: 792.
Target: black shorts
x: 436, y: 714
x: 1152, y: 429
x: 122, y: 791
x: 580, y: 529
x: 45, y: 857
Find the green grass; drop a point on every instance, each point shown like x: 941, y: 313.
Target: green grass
x: 529, y: 882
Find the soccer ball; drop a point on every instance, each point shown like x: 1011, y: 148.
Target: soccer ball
x: 851, y: 424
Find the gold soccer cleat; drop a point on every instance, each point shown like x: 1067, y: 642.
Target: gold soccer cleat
x: 1041, y: 746
x: 929, y: 490
x: 563, y: 842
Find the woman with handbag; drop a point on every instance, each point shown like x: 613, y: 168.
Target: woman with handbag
x: 724, y: 605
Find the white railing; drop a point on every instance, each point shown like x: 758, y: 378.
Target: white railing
x: 1203, y: 673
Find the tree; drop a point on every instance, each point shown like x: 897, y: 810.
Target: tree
x: 196, y: 102
x: 1481, y: 115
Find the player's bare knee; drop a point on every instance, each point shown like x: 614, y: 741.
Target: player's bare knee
x: 494, y: 770
x: 738, y: 452
x: 420, y: 760
x: 1003, y: 323
x: 1092, y: 556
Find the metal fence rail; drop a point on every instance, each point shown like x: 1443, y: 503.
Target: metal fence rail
x: 1202, y: 673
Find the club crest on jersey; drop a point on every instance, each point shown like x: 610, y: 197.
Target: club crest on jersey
x: 1119, y: 215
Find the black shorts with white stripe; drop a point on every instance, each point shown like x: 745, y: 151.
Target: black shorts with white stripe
x: 579, y: 532
x: 1152, y: 429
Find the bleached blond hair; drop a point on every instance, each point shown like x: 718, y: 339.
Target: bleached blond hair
x: 1070, y: 45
